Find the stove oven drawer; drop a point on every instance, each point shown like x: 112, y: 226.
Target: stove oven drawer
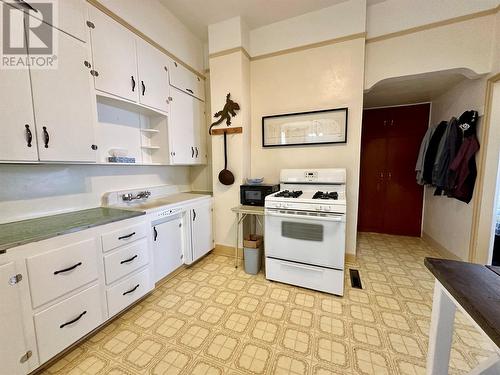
x: 317, y: 278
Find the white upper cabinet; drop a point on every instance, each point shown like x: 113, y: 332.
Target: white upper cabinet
x: 153, y: 76
x: 66, y: 15
x: 17, y: 133
x: 186, y: 127
x: 114, y: 57
x: 62, y: 99
x: 200, y: 134
x: 181, y: 127
x: 13, y: 345
x: 186, y: 80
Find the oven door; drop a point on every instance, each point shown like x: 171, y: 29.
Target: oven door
x: 307, y: 237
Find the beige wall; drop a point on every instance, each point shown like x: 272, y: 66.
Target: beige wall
x: 443, y: 48
x: 448, y: 221
x: 229, y: 74
x: 318, y: 78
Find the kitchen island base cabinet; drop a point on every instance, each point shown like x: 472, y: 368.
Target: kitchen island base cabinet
x: 64, y: 323
x: 13, y: 346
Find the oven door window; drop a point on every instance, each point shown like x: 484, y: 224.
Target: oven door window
x: 253, y: 196
x: 302, y: 231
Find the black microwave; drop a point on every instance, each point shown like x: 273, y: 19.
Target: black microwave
x: 254, y: 195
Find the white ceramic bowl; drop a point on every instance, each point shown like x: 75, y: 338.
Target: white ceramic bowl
x: 255, y: 181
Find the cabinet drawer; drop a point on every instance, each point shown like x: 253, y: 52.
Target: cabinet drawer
x: 123, y: 236
x: 60, y: 271
x: 66, y: 322
x: 127, y: 292
x: 323, y: 279
x: 126, y: 260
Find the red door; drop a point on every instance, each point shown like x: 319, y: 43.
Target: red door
x: 390, y: 200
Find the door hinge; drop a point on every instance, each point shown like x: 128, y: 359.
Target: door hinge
x: 94, y: 73
x: 26, y: 356
x: 90, y: 24
x: 13, y: 280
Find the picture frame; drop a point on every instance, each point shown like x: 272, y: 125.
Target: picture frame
x: 322, y: 127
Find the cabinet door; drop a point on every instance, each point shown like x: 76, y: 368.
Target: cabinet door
x: 200, y: 132
x: 18, y: 124
x: 167, y: 247
x: 186, y: 80
x: 12, y: 342
x: 68, y: 17
x: 62, y: 99
x: 183, y: 111
x: 114, y: 57
x: 201, y: 229
x: 153, y: 76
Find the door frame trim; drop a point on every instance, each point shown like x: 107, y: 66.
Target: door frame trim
x: 475, y: 255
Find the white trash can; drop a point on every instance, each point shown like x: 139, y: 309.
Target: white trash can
x: 252, y: 257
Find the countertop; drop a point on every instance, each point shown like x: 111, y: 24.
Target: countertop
x: 26, y: 231
x: 475, y: 287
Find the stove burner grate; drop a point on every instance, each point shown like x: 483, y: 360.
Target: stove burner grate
x: 289, y: 194
x: 327, y: 195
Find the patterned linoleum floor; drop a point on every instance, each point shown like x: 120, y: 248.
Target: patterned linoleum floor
x: 214, y: 319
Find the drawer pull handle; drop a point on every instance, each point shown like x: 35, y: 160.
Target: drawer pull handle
x: 127, y: 236
x: 189, y: 90
x: 131, y: 290
x: 68, y: 269
x: 128, y: 260
x: 73, y: 321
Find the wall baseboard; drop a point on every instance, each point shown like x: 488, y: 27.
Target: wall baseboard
x: 440, y: 248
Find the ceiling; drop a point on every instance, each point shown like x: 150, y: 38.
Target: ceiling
x: 411, y: 89
x: 198, y: 14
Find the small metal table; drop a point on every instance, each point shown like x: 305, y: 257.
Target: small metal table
x: 241, y: 213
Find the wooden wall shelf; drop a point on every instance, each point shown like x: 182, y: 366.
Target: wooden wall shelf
x: 231, y: 130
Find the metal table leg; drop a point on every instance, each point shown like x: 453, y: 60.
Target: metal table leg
x: 239, y: 220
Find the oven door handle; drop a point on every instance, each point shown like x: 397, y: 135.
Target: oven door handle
x: 335, y: 218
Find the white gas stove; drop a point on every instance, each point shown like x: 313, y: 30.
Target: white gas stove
x: 305, y: 229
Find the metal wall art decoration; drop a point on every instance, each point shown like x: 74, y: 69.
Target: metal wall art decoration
x: 305, y: 128
x: 229, y: 110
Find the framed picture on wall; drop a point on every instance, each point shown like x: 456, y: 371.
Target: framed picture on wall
x: 326, y: 126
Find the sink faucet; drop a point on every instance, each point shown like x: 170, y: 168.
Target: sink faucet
x: 131, y: 197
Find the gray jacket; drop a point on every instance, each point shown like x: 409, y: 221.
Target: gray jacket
x: 448, y: 148
x: 419, y: 168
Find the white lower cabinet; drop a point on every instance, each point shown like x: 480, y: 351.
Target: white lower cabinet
x: 13, y: 345
x: 202, y: 239
x: 167, y: 247
x: 64, y: 323
x: 60, y: 271
x: 54, y: 292
x: 126, y: 260
x: 127, y: 292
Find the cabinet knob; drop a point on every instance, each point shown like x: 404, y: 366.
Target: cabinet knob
x: 87, y: 64
x: 94, y: 73
x: 94, y: 147
x: 170, y: 99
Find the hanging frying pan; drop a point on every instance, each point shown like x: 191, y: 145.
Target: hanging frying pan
x: 225, y: 176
